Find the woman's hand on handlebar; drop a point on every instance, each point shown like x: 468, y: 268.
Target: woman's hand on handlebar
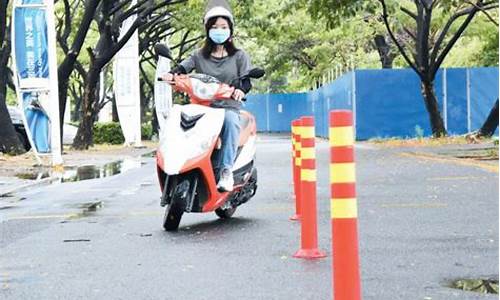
x: 238, y: 95
x: 168, y: 78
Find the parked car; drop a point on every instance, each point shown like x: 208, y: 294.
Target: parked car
x: 69, y: 131
x: 17, y: 121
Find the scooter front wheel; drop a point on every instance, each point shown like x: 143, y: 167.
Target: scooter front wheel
x: 172, y: 218
x: 225, y: 213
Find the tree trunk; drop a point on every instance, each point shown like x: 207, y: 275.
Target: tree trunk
x: 143, y: 99
x: 9, y: 142
x: 437, y: 124
x: 384, y: 52
x: 63, y: 95
x: 154, y: 122
x: 84, y: 136
x: 114, y: 113
x: 75, y: 114
x: 68, y: 64
x: 490, y: 125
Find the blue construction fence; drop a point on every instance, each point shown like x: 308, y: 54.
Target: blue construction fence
x: 386, y: 103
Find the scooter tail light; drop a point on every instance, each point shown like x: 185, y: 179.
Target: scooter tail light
x: 159, y: 160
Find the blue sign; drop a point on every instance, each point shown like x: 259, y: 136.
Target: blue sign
x: 31, y: 42
x: 38, y: 122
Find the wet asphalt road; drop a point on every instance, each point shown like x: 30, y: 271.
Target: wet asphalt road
x: 421, y: 224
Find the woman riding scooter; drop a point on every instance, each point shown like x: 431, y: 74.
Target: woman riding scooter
x: 222, y: 60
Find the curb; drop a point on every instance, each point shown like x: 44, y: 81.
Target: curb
x: 20, y: 188
x: 43, y: 182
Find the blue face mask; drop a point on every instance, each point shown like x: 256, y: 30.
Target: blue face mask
x: 219, y: 36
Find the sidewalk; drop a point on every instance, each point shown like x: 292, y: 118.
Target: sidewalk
x: 21, y: 172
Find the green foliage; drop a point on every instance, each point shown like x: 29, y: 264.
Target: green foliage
x: 11, y: 97
x: 337, y: 11
x: 108, y: 133
x: 299, y: 41
x: 111, y: 133
x: 146, y: 131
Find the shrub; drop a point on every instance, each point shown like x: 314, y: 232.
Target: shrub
x: 146, y: 131
x: 108, y: 133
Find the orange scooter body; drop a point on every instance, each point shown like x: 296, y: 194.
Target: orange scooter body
x: 196, y: 176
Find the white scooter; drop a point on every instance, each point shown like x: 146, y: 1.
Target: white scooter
x: 189, y: 145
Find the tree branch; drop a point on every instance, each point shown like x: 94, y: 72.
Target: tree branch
x: 445, y: 30
x: 436, y: 64
x: 67, y: 21
x: 3, y: 20
x: 484, y: 10
x: 409, y: 13
x: 435, y: 3
x: 140, y: 21
x: 391, y: 34
x: 411, y: 34
x: 71, y: 55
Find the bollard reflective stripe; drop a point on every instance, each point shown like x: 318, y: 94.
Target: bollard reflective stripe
x: 309, y: 228
x: 341, y: 136
x: 308, y: 153
x: 307, y: 132
x: 298, y: 147
x: 342, y: 172
x: 308, y: 175
x: 344, y: 210
x: 296, y: 163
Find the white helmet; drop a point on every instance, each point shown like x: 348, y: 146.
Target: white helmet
x: 218, y: 8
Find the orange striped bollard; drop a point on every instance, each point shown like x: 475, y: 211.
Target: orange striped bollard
x: 309, y: 227
x: 344, y: 212
x: 296, y: 161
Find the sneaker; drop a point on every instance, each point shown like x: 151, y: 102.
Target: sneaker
x: 226, y: 181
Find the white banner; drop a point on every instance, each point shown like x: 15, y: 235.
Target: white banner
x: 127, y: 86
x: 163, y: 92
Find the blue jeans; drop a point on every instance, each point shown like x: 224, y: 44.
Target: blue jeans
x: 230, y: 136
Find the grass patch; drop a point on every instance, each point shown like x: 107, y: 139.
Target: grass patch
x: 483, y: 286
x: 424, y: 142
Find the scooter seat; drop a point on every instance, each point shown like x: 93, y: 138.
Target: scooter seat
x: 247, y: 127
x: 244, y: 121
x: 245, y: 130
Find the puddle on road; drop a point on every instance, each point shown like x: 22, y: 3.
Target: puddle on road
x: 93, y: 172
x: 88, y: 209
x: 149, y: 155
x: 33, y: 176
x: 7, y: 207
x: 483, y: 286
x: 87, y: 172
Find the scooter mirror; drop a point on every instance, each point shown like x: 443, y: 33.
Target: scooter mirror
x: 256, y: 73
x: 163, y: 50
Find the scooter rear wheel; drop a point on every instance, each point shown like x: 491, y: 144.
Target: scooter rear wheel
x: 225, y: 213
x: 172, y: 218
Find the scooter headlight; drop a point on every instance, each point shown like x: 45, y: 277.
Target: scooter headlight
x: 203, y: 90
x: 203, y: 145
